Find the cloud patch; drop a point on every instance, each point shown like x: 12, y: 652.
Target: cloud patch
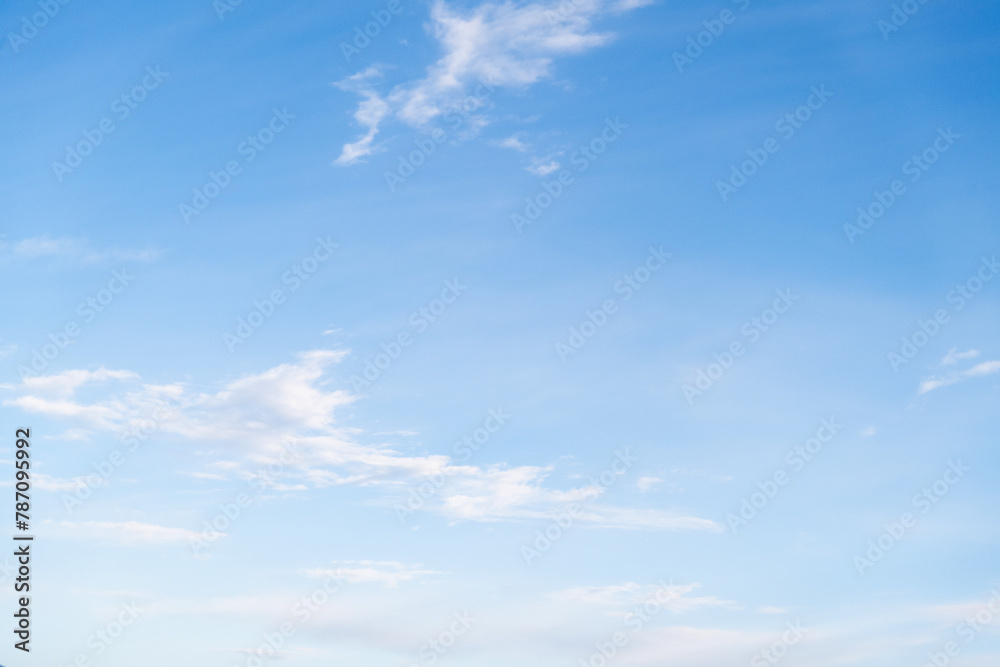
x: 124, y: 533
x: 248, y: 422
x: 979, y: 370
x: 387, y: 573
x: 39, y: 247
x: 512, y: 45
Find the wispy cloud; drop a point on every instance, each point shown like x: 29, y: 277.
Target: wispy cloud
x: 543, y: 168
x: 647, y: 483
x: 979, y: 370
x: 246, y: 423
x: 504, y: 44
x: 67, y: 382
x: 512, y: 142
x: 125, y: 533
x: 388, y: 573
x: 624, y: 595
x: 769, y: 610
x: 518, y: 494
x: 39, y: 246
x: 685, y: 630
x: 45, y: 482
x: 52, y: 395
x: 45, y: 246
x: 369, y: 114
x: 954, y: 356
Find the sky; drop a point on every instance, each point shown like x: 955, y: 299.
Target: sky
x: 555, y: 333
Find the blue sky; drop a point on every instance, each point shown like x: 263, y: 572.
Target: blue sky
x: 260, y: 274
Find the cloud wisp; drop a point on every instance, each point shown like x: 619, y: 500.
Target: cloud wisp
x: 243, y: 425
x: 979, y: 370
x: 505, y: 45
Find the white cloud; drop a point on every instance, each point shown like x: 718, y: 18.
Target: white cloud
x: 501, y: 494
x: 979, y: 370
x: 46, y: 246
x: 767, y: 609
x: 125, y: 533
x: 513, y: 142
x: 954, y: 355
x: 97, y: 416
x: 206, y: 475
x: 685, y: 646
x: 52, y: 395
x: 67, y: 382
x: 552, y: 626
x: 985, y: 368
x: 543, y: 168
x: 537, y: 624
x: 7, y: 350
x: 388, y: 573
x: 598, y: 595
x: 502, y: 44
x: 647, y: 484
x: 624, y: 596
x: 249, y: 422
x: 369, y: 114
x: 645, y: 519
x: 45, y: 482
